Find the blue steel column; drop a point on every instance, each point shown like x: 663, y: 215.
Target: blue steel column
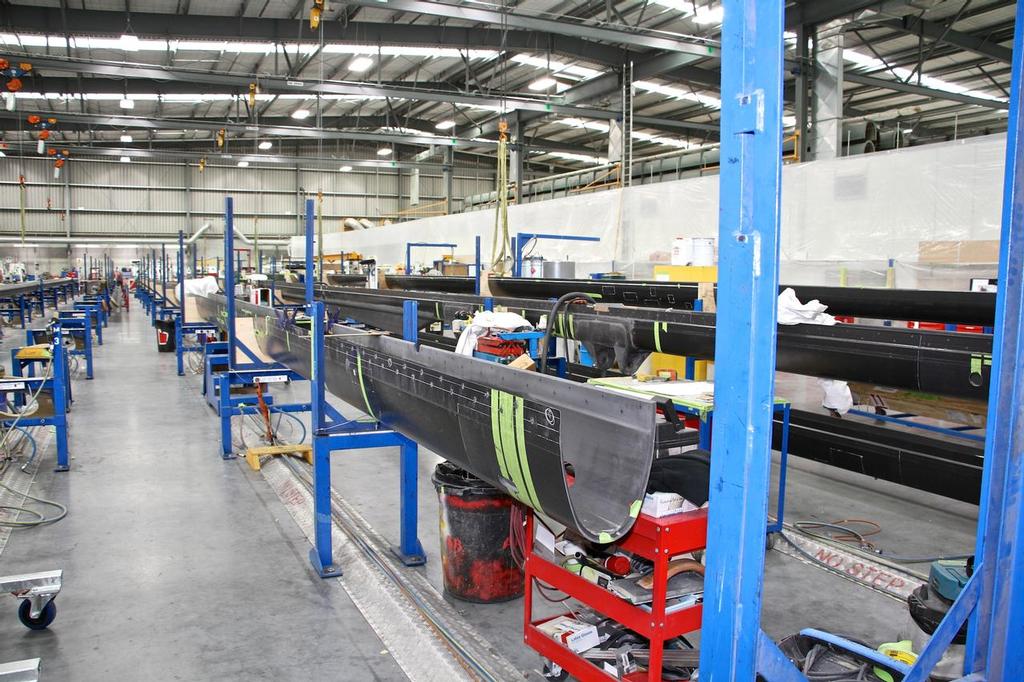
x: 409, y: 550
x: 750, y: 185
x: 229, y: 275
x: 163, y: 272
x: 479, y: 274
x: 994, y: 634
x: 308, y: 278
x: 181, y: 276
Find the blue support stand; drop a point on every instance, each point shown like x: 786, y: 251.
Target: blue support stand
x: 57, y: 385
x: 222, y: 368
x: 415, y: 245
x: 332, y: 432
x: 521, y: 239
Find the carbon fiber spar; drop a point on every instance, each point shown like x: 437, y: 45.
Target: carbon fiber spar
x: 577, y: 453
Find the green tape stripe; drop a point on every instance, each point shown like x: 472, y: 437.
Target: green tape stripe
x: 503, y: 431
x: 362, y: 384
x: 572, y: 328
x: 524, y: 461
x: 658, y: 328
x: 499, y: 452
x: 437, y: 309
x: 506, y: 419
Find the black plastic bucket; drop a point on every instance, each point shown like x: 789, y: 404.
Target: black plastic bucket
x: 165, y: 336
x: 476, y: 555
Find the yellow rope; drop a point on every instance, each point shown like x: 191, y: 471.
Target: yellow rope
x: 499, y: 245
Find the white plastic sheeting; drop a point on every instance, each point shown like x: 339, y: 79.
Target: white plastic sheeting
x: 843, y: 220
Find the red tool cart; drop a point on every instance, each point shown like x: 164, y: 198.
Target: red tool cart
x: 655, y: 539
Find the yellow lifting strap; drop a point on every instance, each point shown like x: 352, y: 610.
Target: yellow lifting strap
x: 499, y: 245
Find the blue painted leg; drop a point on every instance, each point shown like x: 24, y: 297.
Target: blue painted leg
x: 224, y: 382
x: 322, y: 554
x: 409, y: 551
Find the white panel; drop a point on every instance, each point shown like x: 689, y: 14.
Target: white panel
x: 856, y: 212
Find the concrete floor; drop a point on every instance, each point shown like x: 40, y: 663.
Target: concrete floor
x: 177, y: 565
x: 181, y: 566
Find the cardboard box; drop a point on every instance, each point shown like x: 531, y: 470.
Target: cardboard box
x: 577, y: 636
x: 959, y: 252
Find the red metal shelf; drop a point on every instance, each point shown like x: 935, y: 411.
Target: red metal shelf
x: 655, y: 539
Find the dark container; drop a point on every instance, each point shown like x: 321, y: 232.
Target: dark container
x: 476, y: 554
x: 165, y: 336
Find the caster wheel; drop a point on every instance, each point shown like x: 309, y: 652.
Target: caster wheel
x: 552, y: 671
x: 41, y: 622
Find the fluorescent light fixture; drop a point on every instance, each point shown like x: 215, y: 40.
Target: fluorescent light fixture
x: 127, y: 103
x: 345, y: 169
x: 126, y: 138
x: 300, y: 114
x: 126, y: 246
x: 445, y: 125
x: 129, y: 42
x: 2, y: 155
x: 266, y: 145
x: 126, y: 159
x: 545, y: 83
x: 384, y: 151
x: 360, y: 64
x: 709, y: 15
x: 788, y: 121
x: 27, y: 246
x: 243, y: 164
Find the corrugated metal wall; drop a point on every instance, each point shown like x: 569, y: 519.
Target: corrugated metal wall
x: 110, y: 198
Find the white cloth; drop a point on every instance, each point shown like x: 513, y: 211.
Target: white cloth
x: 204, y: 286
x: 837, y: 395
x: 484, y: 323
x: 792, y: 311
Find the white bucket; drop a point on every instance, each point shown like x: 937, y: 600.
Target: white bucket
x: 533, y: 267
x: 703, y: 251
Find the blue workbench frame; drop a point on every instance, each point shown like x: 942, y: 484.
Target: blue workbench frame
x: 217, y: 384
x: 521, y: 239
x: 409, y: 246
x: 182, y: 327
x: 57, y: 385
x: 333, y: 432
x: 78, y: 324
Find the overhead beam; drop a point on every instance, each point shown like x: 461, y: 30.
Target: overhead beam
x: 911, y: 89
x: 266, y: 160
x: 25, y: 18
x: 281, y: 85
x: 144, y: 86
x: 195, y: 27
x: 937, y: 31
x: 212, y: 125
x: 640, y: 38
x: 813, y: 12
x: 76, y: 121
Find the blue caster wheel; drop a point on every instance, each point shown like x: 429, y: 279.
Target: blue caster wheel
x: 40, y: 622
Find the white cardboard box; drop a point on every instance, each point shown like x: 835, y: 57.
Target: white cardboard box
x: 577, y: 636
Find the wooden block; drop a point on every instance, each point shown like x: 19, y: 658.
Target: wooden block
x: 252, y: 455
x: 524, y: 361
